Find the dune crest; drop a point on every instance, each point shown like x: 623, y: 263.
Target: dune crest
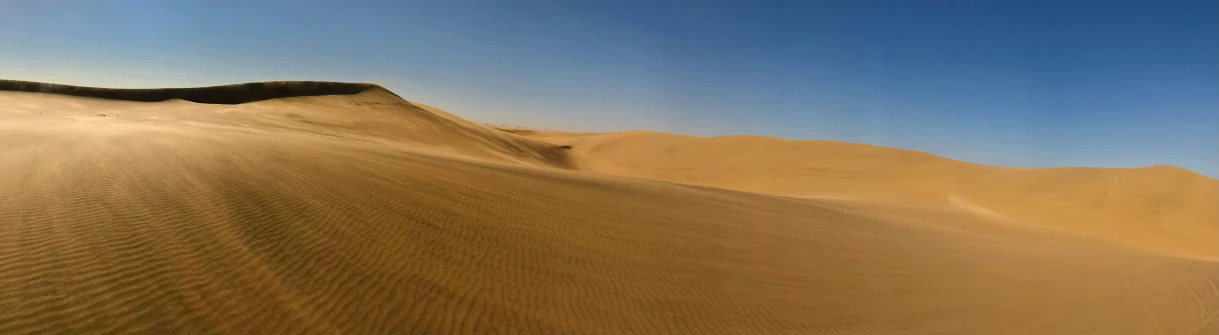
x: 365, y: 213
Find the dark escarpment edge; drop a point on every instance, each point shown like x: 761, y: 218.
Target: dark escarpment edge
x: 223, y: 94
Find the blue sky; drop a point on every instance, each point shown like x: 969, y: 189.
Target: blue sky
x: 1020, y: 83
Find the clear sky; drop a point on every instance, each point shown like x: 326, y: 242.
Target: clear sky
x: 1020, y: 83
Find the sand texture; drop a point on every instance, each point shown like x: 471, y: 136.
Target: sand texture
x: 359, y: 212
x: 1159, y: 207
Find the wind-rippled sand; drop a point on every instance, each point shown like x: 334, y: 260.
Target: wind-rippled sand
x: 364, y: 214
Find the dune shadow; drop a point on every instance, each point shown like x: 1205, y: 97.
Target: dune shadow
x: 224, y: 94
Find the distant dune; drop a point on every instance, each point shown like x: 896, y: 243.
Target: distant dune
x: 309, y: 207
x: 1160, y: 207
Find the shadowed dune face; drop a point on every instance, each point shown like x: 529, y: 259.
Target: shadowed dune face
x: 365, y: 213
x: 1162, y: 208
x: 226, y: 94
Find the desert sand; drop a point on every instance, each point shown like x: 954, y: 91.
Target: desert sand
x: 327, y: 208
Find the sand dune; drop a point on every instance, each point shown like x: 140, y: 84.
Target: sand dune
x: 1160, y: 207
x: 364, y: 213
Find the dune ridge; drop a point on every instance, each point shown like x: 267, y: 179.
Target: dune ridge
x: 366, y: 213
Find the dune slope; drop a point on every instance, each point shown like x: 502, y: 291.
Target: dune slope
x: 364, y: 213
x: 1163, y: 208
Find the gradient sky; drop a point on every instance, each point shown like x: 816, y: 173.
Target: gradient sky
x: 1019, y: 83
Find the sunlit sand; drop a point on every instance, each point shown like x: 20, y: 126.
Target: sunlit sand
x: 313, y: 208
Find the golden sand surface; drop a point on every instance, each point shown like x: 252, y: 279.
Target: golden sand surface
x: 363, y: 213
